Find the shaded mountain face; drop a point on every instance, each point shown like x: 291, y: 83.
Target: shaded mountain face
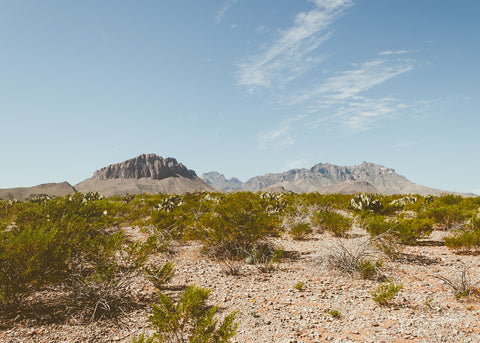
x: 147, y: 165
x: 24, y: 193
x: 144, y: 174
x: 329, y: 178
x: 218, y: 181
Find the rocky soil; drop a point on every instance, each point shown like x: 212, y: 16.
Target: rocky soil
x: 270, y: 309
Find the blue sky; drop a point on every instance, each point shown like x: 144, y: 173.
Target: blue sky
x: 243, y: 87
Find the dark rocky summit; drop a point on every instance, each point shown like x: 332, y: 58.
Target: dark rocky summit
x: 144, y: 174
x: 146, y: 165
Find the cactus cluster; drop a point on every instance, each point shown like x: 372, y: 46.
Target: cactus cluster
x: 91, y: 196
x: 168, y: 204
x: 408, y: 200
x: 276, y: 202
x: 39, y: 198
x: 365, y: 202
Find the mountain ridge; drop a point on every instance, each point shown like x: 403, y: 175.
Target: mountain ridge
x: 149, y: 173
x: 329, y: 178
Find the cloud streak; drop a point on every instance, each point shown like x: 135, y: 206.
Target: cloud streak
x: 294, y: 52
x: 221, y: 13
x: 342, y: 99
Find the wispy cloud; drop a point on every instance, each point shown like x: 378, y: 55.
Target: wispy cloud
x: 342, y: 99
x: 390, y: 52
x: 352, y: 83
x: 294, y: 52
x: 226, y: 6
x: 279, y: 136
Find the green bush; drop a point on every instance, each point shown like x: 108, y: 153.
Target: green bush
x: 385, y: 292
x: 407, y: 231
x: 237, y: 222
x: 301, y: 231
x: 49, y: 240
x: 369, y: 269
x: 467, y: 238
x: 189, y: 320
x: 160, y: 275
x: 333, y: 222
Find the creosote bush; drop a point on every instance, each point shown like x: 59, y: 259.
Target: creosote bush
x: 407, y: 231
x: 189, y: 320
x: 236, y: 223
x: 467, y: 238
x: 335, y: 223
x: 49, y: 240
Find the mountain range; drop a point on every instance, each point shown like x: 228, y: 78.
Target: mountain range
x: 328, y: 178
x: 149, y: 173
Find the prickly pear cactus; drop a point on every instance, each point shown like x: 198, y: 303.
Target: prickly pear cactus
x: 408, y: 200
x: 168, y: 204
x: 365, y: 202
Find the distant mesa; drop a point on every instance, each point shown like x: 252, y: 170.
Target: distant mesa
x: 146, y: 173
x: 145, y: 166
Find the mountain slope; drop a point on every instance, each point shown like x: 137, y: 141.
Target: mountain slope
x: 146, y: 173
x: 24, y: 193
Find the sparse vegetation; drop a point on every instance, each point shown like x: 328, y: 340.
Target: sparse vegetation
x: 189, y: 320
x: 299, y: 286
x: 75, y: 249
x: 335, y: 314
x: 333, y: 222
x: 462, y: 284
x: 385, y: 292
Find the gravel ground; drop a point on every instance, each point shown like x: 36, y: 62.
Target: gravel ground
x: 270, y: 309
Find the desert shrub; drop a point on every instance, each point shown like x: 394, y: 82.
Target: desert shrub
x: 236, y: 223
x: 466, y: 238
x: 265, y: 256
x: 299, y: 285
x: 462, y: 283
x: 334, y: 222
x: 407, y: 231
x: 369, y: 269
x: 178, y: 217
x: 385, y: 292
x: 160, y: 275
x: 354, y: 257
x: 447, y: 217
x: 335, y: 314
x: 301, y: 231
x: 189, y: 320
x: 50, y: 239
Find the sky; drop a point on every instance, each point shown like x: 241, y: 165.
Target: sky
x: 242, y: 87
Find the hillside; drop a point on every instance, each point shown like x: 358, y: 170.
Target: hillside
x: 24, y: 193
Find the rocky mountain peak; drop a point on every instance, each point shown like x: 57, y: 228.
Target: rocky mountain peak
x: 145, y: 166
